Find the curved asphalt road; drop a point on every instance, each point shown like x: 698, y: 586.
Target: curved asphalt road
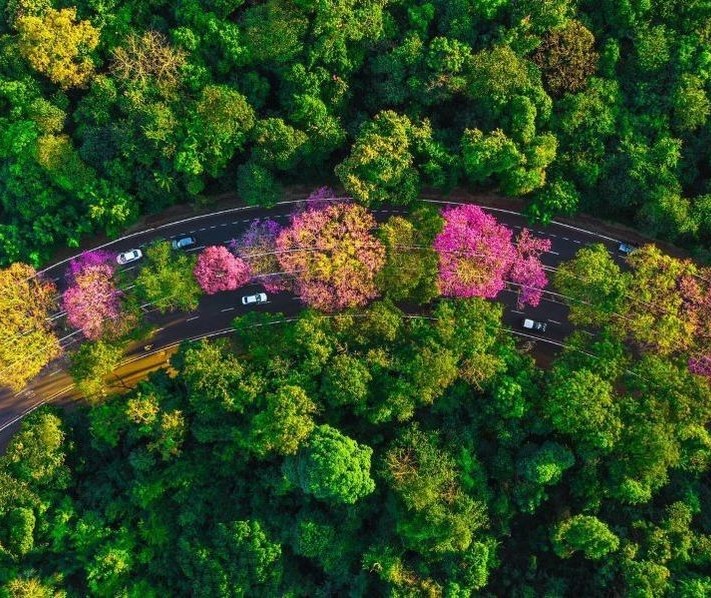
x: 216, y: 312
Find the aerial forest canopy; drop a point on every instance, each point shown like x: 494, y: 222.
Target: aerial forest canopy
x: 370, y: 453
x: 109, y: 110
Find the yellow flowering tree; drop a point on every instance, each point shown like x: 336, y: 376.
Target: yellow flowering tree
x: 59, y: 46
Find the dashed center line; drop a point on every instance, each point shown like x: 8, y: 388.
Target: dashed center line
x: 554, y: 322
x: 193, y: 318
x: 227, y: 309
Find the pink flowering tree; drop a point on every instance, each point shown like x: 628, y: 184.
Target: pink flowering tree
x: 218, y: 270
x: 257, y: 247
x: 333, y: 255
x: 320, y: 198
x: 475, y: 253
x: 92, y: 300
x: 527, y: 269
x: 87, y: 260
x: 694, y: 287
x: 700, y: 365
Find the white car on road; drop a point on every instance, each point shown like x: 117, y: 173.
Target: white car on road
x: 256, y: 299
x: 126, y: 257
x: 534, y: 325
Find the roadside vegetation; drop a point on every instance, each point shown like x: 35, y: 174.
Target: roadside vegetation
x: 332, y: 254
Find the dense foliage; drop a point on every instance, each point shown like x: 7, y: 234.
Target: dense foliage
x: 660, y: 303
x: 113, y: 109
x: 370, y: 454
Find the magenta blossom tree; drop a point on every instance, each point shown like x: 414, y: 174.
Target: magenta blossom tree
x: 700, y: 365
x: 333, y: 255
x: 92, y: 299
x: 475, y: 253
x: 87, y: 260
x: 218, y: 270
x: 527, y: 269
x: 319, y: 199
x: 257, y: 247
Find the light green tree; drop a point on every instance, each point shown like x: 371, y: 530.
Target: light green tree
x: 331, y: 467
x: 166, y: 279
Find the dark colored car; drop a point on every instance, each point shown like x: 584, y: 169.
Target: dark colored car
x: 183, y: 242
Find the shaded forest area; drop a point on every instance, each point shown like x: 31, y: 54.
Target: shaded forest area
x: 370, y: 453
x: 111, y: 109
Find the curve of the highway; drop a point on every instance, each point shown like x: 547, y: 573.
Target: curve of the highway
x: 216, y: 312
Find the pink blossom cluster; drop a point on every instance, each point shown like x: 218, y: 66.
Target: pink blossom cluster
x: 695, y: 290
x: 477, y: 256
x: 218, y: 270
x: 475, y: 253
x: 92, y: 300
x: 257, y: 247
x: 87, y: 260
x: 319, y: 199
x: 700, y: 365
x: 333, y: 255
x: 527, y: 269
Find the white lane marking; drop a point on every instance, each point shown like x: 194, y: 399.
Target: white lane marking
x: 566, y: 239
x: 201, y: 229
x: 517, y: 312
x: 227, y: 309
x: 193, y: 318
x: 552, y: 235
x: 23, y: 414
x: 198, y: 248
x: 213, y: 226
x: 223, y: 224
x: 576, y: 241
x: 128, y: 269
x: 552, y: 252
x: 554, y: 322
